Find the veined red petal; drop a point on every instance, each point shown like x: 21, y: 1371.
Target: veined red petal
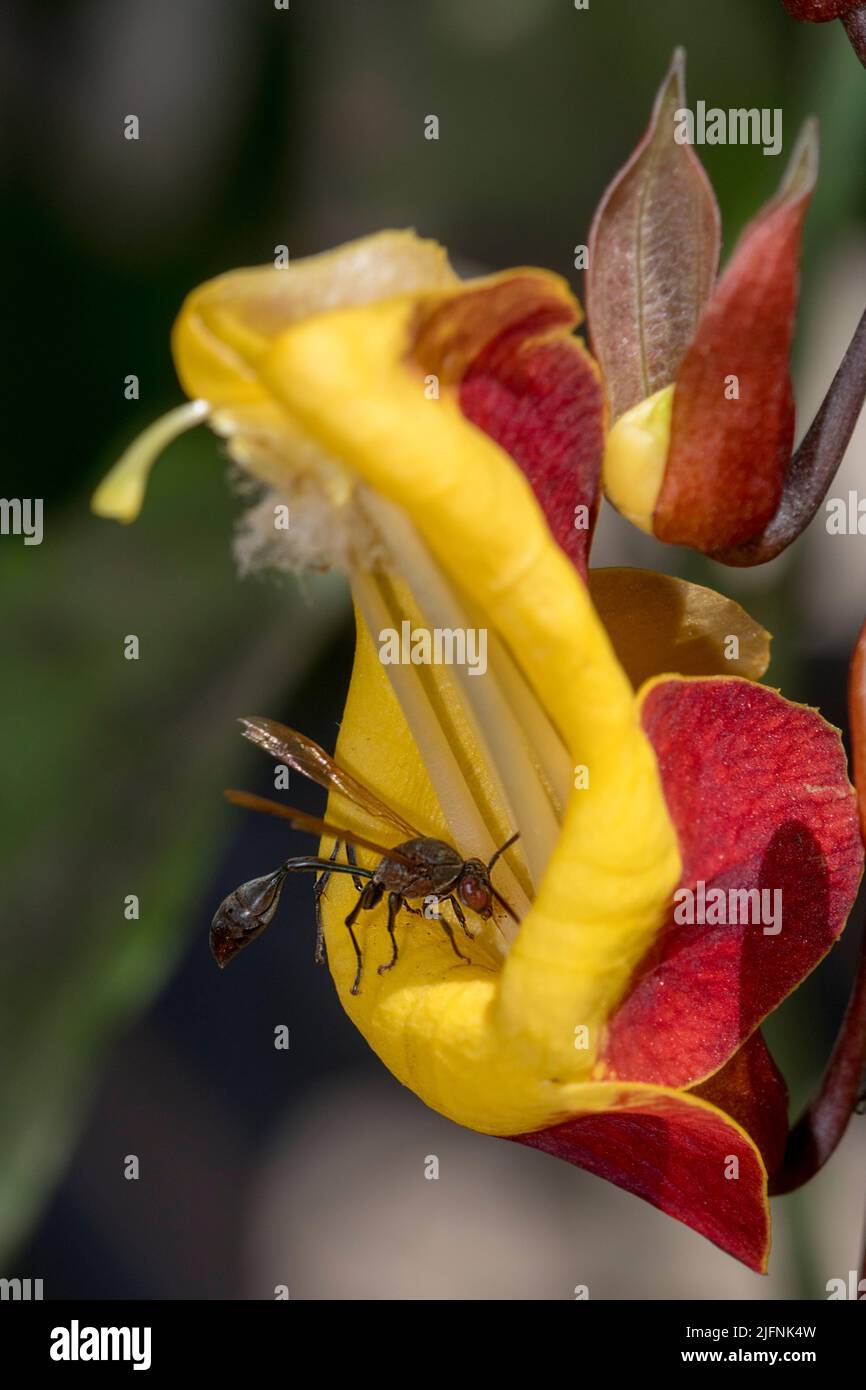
x: 522, y: 378
x: 751, y: 1089
x: 678, y: 1156
x: 857, y: 715
x: 815, y: 1136
x: 732, y: 428
x: 758, y: 792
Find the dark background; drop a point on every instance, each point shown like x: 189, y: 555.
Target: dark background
x: 305, y: 127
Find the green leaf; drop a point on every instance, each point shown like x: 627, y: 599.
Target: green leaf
x: 114, y: 770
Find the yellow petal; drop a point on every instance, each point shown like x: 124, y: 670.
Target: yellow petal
x: 222, y: 330
x: 493, y: 1050
x: 227, y: 323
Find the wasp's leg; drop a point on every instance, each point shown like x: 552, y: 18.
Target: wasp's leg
x: 350, y: 923
x: 320, y: 885
x: 446, y: 927
x: 458, y: 913
x: 352, y: 859
x: 394, y: 904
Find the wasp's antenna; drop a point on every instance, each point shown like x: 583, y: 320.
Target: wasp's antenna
x: 501, y: 850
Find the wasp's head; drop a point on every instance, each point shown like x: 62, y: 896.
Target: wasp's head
x: 473, y: 888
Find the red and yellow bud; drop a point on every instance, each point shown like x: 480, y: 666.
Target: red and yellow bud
x: 698, y: 374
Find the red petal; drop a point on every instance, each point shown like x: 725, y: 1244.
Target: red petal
x: 675, y: 1154
x: 751, y: 1089
x: 531, y: 386
x: 728, y: 457
x: 757, y: 789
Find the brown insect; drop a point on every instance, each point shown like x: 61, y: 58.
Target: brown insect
x: 418, y: 867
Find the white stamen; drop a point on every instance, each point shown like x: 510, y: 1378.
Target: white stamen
x: 553, y: 761
x: 463, y: 817
x: 501, y: 740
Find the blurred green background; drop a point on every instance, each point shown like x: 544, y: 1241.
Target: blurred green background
x: 305, y: 127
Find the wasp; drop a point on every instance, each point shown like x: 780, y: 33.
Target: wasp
x: 418, y: 867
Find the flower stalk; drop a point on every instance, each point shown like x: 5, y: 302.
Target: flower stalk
x: 852, y: 13
x: 815, y: 463
x: 855, y: 27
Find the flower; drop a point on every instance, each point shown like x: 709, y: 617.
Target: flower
x: 453, y: 434
x: 697, y: 370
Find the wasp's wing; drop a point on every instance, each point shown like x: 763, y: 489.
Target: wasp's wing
x: 301, y: 821
x: 306, y: 757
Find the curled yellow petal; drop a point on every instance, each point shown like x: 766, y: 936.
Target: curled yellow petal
x: 227, y: 323
x: 225, y: 326
x: 490, y: 1048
